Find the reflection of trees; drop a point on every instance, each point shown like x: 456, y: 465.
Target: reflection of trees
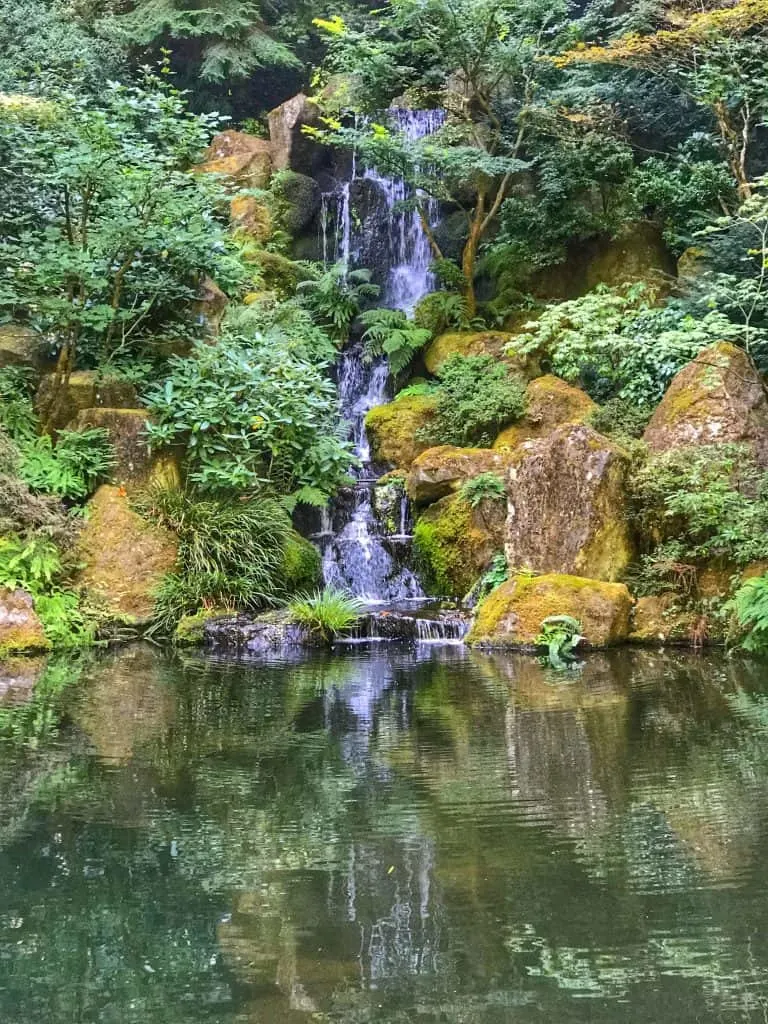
x: 356, y: 836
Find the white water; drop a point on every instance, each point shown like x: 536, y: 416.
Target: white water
x: 357, y: 554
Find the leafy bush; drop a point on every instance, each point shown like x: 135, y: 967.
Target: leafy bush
x: 337, y: 296
x: 616, y: 342
x: 749, y: 606
x: 390, y: 333
x: 621, y: 419
x: 65, y: 622
x: 231, y: 551
x: 561, y: 635
x: 667, y: 567
x: 327, y: 613
x: 439, y: 312
x: 33, y: 565
x: 496, y: 574
x: 485, y: 487
x: 713, y: 499
x: 250, y: 410
x: 477, y: 396
x: 79, y: 461
x: 17, y: 412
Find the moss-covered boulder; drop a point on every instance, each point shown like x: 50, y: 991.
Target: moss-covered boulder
x: 21, y: 631
x: 85, y: 389
x: 719, y: 397
x: 660, y: 619
x: 511, y: 615
x: 135, y: 465
x: 392, y: 429
x: 549, y: 403
x: 244, y: 158
x: 124, y: 558
x: 567, y: 505
x: 442, y: 470
x: 638, y: 253
x: 455, y: 543
x: 302, y: 564
x: 300, y: 199
x: 480, y: 343
x: 21, y: 346
x: 251, y: 217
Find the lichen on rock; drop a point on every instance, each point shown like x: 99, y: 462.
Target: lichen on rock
x: 549, y: 403
x: 135, y: 465
x: 511, y: 615
x: 567, y: 505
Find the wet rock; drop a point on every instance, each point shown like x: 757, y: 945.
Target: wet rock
x: 21, y: 631
x: 511, y: 616
x: 245, y: 159
x: 392, y: 429
x: 377, y: 247
x: 135, y: 465
x: 659, y: 619
x: 124, y: 557
x: 21, y: 346
x: 85, y: 389
x: 549, y: 403
x: 252, y: 217
x: 455, y: 543
x: 717, y: 398
x: 567, y: 507
x: 291, y: 148
x: 442, y: 470
x: 301, y: 198
x: 272, y: 631
x: 480, y: 343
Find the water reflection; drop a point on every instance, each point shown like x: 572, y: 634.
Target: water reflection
x: 388, y: 835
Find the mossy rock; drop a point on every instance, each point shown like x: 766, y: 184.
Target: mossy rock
x: 85, y: 389
x: 638, y: 253
x: 717, y: 398
x: 301, y: 198
x: 190, y: 629
x: 480, y: 343
x: 442, y: 470
x: 567, y: 505
x: 124, y: 557
x: 244, y: 158
x: 21, y: 631
x: 21, y: 346
x: 280, y: 274
x: 660, y: 620
x: 549, y: 403
x: 455, y: 543
x: 251, y: 217
x: 302, y: 564
x: 511, y: 615
x: 392, y: 429
x: 135, y: 465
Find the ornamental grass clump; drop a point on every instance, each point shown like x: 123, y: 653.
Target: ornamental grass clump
x: 327, y: 613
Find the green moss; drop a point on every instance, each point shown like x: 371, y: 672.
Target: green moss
x: 392, y: 429
x: 455, y: 543
x: 302, y: 564
x: 190, y: 631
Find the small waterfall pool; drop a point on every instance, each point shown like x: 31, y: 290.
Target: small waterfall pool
x: 359, y: 554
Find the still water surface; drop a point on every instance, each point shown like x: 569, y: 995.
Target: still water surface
x: 395, y: 835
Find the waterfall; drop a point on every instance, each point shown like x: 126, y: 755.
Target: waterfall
x: 358, y: 553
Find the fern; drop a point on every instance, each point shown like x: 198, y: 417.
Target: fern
x: 79, y: 461
x: 485, y: 487
x: 390, y: 333
x: 337, y: 296
x: 749, y: 606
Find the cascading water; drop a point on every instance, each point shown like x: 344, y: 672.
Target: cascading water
x: 359, y: 553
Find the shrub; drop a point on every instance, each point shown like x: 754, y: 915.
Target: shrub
x: 477, y: 396
x: 485, y: 487
x: 337, y: 296
x: 79, y: 461
x: 33, y: 565
x: 621, y: 419
x: 327, y: 613
x: 231, y: 551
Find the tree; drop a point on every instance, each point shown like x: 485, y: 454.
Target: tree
x: 717, y: 58
x: 480, y: 59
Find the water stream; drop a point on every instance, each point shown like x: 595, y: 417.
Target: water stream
x: 359, y: 554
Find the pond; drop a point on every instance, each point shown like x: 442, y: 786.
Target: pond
x: 385, y: 834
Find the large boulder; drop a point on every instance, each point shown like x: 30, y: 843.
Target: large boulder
x: 455, y: 543
x: 480, y: 343
x: 135, y: 465
x: 511, y: 615
x: 291, y: 148
x: 392, y: 429
x: 440, y: 471
x: 251, y: 217
x: 244, y: 158
x: 85, y: 389
x: 21, y: 346
x: 549, y: 403
x: 567, y: 507
x: 717, y: 398
x: 124, y: 557
x: 300, y: 200
x: 21, y: 631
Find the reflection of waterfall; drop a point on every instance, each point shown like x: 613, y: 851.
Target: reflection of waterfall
x: 357, y: 553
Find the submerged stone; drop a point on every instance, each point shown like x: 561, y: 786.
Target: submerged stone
x: 455, y: 543
x: 392, y: 429
x: 512, y: 614
x: 717, y: 398
x: 442, y: 470
x: 549, y: 403
x: 124, y: 557
x: 567, y: 505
